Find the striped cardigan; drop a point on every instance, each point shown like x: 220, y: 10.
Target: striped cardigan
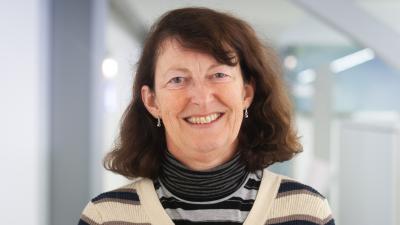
x: 280, y: 201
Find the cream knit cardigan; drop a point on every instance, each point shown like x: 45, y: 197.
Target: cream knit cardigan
x: 270, y: 207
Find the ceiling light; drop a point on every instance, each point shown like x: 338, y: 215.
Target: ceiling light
x: 109, y: 68
x: 352, y: 60
x: 306, y: 76
x: 290, y: 62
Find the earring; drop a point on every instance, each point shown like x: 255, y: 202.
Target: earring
x: 158, y: 122
x: 246, y: 113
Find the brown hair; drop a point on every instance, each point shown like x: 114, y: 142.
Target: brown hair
x: 266, y: 137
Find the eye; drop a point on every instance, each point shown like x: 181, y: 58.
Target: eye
x: 220, y: 75
x: 177, y: 80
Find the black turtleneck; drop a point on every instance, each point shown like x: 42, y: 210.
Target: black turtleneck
x: 201, y: 186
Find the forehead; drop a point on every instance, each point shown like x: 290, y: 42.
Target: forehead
x: 171, y: 50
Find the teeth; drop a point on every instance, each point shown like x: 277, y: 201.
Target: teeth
x: 203, y: 120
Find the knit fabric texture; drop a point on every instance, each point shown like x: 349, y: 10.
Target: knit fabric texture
x: 202, y: 186
x: 280, y: 201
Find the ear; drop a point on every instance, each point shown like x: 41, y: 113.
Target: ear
x: 248, y: 95
x: 150, y: 101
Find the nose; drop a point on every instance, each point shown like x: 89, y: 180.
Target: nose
x: 201, y: 94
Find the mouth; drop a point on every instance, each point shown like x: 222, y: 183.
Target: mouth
x: 204, y: 120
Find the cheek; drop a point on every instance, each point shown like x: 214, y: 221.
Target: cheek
x: 235, y: 102
x: 171, y: 106
x: 234, y: 97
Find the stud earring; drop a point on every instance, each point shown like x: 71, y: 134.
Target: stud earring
x: 246, y: 113
x: 158, y: 122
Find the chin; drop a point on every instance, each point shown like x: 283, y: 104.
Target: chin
x: 208, y: 147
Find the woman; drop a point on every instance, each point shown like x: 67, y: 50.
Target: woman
x: 209, y: 114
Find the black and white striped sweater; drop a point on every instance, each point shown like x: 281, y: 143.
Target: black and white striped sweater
x: 280, y: 200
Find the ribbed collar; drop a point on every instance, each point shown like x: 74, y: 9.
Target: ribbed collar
x: 201, y: 186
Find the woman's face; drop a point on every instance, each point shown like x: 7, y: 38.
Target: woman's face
x: 200, y: 103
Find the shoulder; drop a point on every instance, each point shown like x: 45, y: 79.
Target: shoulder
x: 289, y: 186
x: 116, y: 204
x: 296, y: 201
x: 124, y: 194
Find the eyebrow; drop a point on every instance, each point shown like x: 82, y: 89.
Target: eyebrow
x: 183, y: 69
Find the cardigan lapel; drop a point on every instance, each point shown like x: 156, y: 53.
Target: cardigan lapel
x: 265, y: 196
x: 257, y: 216
x: 151, y: 204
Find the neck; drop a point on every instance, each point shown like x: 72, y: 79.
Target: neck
x: 205, y: 161
x: 201, y: 160
x: 212, y: 184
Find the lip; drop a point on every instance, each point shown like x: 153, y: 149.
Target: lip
x: 203, y: 115
x: 206, y: 125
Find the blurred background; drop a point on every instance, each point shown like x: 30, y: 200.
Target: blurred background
x: 67, y: 70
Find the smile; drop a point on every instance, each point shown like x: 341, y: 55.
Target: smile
x: 203, y: 119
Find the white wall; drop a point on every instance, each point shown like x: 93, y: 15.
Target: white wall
x: 23, y: 110
x: 118, y: 90
x: 369, y: 172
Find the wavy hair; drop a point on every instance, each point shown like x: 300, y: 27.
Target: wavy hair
x: 266, y: 137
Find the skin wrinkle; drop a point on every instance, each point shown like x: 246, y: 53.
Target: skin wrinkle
x: 200, y: 92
